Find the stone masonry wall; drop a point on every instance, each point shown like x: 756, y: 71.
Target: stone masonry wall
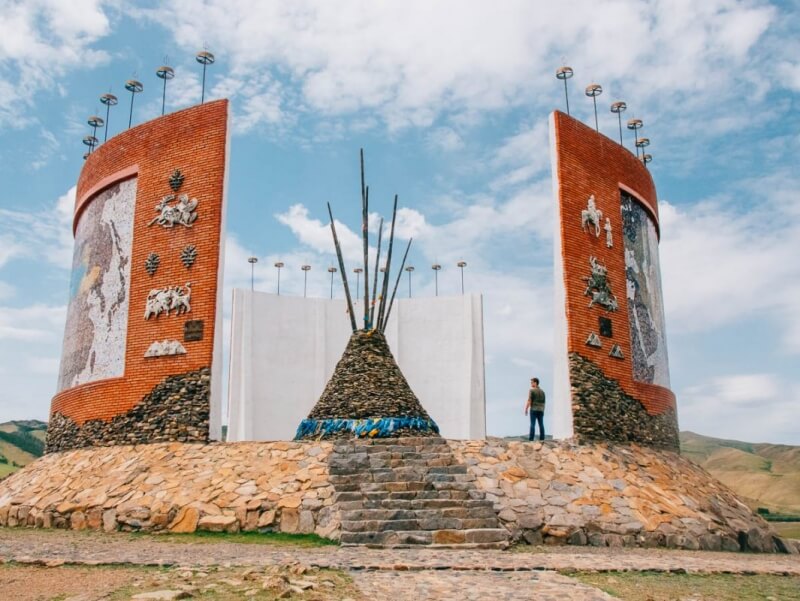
x: 175, y: 410
x: 551, y: 493
x: 176, y: 487
x: 603, y: 412
x: 605, y: 495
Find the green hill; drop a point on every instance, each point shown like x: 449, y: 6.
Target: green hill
x: 20, y: 443
x: 762, y: 474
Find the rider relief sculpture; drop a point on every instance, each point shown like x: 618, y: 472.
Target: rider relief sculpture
x: 591, y: 216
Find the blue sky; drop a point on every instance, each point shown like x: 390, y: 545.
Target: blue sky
x: 450, y: 101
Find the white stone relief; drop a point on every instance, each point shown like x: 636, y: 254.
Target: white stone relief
x: 591, y: 216
x: 609, y: 235
x: 169, y: 299
x: 181, y: 213
x: 594, y: 340
x: 165, y: 348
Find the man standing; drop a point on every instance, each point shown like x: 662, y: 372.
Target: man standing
x: 535, y: 405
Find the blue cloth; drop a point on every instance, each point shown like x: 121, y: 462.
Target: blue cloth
x: 377, y: 427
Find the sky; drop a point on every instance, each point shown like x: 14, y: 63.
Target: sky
x: 450, y: 101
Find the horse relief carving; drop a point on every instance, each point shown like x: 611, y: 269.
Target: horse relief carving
x: 181, y: 213
x: 597, y: 287
x: 169, y: 299
x: 591, y: 216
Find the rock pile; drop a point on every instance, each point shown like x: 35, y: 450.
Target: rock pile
x: 367, y: 385
x: 175, y: 410
x: 176, y: 487
x: 401, y: 491
x: 608, y: 495
x: 603, y: 412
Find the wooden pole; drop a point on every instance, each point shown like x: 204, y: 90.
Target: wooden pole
x: 385, y: 286
x: 397, y: 282
x: 341, y: 269
x: 365, y: 237
x: 375, y: 278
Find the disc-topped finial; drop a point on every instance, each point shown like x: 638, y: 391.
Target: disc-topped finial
x: 166, y: 73
x: 593, y: 90
x: 565, y: 73
x: 635, y: 125
x: 619, y: 107
x: 205, y: 58
x: 134, y: 87
x: 109, y: 100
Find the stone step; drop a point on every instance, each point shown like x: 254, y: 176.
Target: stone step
x: 481, y: 536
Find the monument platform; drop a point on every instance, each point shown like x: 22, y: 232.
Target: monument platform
x: 402, y: 492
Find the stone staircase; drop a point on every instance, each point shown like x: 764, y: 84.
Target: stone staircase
x: 410, y: 491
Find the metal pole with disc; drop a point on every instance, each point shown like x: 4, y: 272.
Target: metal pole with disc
x: 109, y: 100
x: 462, y: 265
x: 134, y: 87
x: 252, y: 261
x: 619, y: 108
x: 164, y: 72
x: 594, y: 90
x: 564, y: 73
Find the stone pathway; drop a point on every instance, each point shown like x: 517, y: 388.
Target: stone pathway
x: 397, y: 574
x: 475, y: 586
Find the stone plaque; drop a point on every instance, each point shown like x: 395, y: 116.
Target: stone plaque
x: 605, y: 327
x: 193, y: 330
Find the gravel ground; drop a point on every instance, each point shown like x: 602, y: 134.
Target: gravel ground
x: 378, y: 575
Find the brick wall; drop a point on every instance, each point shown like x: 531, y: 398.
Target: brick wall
x: 193, y: 141
x: 590, y: 163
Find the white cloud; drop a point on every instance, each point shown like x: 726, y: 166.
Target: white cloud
x: 444, y: 138
x: 722, y: 260
x: 41, y: 40
x: 751, y: 407
x: 40, y: 234
x: 35, y: 323
x: 412, y: 63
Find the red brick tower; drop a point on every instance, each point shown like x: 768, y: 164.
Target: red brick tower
x: 612, y: 373
x: 142, y: 341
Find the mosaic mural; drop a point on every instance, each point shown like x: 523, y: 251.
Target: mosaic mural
x: 645, y: 301
x: 97, y: 316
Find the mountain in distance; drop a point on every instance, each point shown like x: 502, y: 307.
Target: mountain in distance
x: 20, y: 443
x: 762, y: 474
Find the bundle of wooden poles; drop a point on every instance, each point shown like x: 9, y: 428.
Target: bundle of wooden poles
x: 373, y: 319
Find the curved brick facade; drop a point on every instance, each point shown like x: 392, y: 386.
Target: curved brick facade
x: 586, y: 164
x: 193, y: 141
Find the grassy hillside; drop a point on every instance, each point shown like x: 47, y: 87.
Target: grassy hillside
x: 20, y: 443
x: 763, y: 475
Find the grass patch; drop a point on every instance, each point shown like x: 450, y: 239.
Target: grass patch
x: 787, y: 529
x: 659, y: 586
x: 250, y: 538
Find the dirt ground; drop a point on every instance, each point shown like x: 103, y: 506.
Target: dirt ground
x: 118, y: 583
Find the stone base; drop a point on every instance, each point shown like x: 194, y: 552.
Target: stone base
x: 551, y: 493
x: 177, y: 409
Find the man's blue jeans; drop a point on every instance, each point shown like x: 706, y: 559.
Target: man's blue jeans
x: 537, y: 416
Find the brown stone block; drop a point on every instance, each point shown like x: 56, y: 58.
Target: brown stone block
x: 449, y: 537
x: 185, y: 521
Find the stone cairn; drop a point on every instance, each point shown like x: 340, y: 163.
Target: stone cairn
x: 396, y: 481
x: 367, y: 395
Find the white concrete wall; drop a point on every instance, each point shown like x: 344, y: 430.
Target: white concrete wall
x: 562, y: 424
x: 284, y: 349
